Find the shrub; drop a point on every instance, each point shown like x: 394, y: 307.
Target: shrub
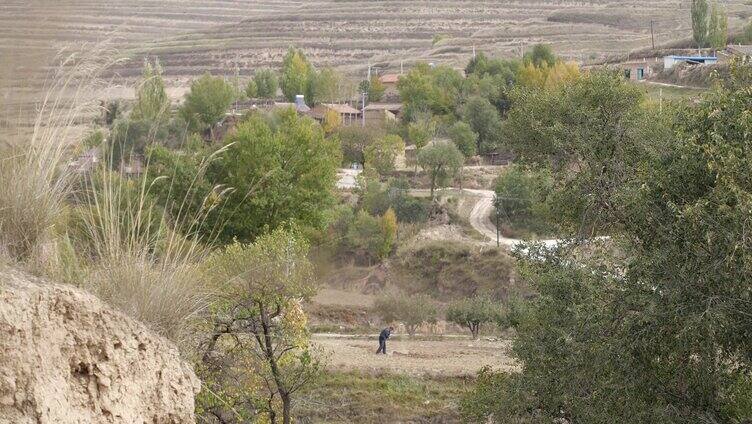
x: 474, y: 312
x: 412, y: 311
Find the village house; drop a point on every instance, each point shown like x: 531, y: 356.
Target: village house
x: 379, y: 114
x: 348, y: 115
x: 638, y: 70
x: 389, y: 81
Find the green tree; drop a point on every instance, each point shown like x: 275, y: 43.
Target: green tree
x: 389, y: 233
x: 421, y: 131
x: 464, y: 138
x: 152, y: 103
x: 375, y: 89
x: 355, y: 140
x: 326, y: 84
x: 266, y: 83
x: 586, y: 131
x: 441, y: 161
x: 367, y: 236
x: 699, y: 13
x: 382, y: 154
x: 718, y: 27
x: 277, y: 175
x: 412, y: 311
x: 521, y: 196
x: 474, y: 312
x: 540, y: 55
x: 251, y: 89
x: 207, y: 102
x: 297, y: 74
x: 485, y: 121
x: 660, y: 310
x: 258, y: 325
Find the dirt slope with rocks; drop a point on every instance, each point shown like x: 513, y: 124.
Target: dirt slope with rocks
x: 66, y: 357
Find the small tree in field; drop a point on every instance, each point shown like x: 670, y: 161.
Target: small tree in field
x: 412, y: 311
x: 441, y: 161
x: 259, y: 322
x: 474, y: 312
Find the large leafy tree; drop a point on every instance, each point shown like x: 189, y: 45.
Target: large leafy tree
x: 474, y: 312
x: 207, y: 102
x: 592, y: 132
x: 655, y: 328
x: 297, y: 74
x: 278, y: 173
x: 718, y: 27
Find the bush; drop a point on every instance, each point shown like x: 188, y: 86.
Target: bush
x: 474, y: 312
x: 377, y: 199
x: 412, y: 311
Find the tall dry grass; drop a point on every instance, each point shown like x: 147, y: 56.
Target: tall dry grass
x: 102, y: 237
x: 142, y: 264
x: 33, y: 182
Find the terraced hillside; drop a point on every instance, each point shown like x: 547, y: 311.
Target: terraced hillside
x: 192, y: 36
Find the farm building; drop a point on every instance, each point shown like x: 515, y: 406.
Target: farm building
x: 390, y: 85
x: 378, y: 114
x: 348, y: 115
x: 637, y: 70
x: 671, y: 61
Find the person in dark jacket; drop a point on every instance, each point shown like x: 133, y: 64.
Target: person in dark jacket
x: 385, y: 333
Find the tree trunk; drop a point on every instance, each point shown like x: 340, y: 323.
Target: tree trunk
x: 286, y: 408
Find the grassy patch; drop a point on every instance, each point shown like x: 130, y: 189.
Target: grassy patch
x: 655, y: 92
x: 365, y: 398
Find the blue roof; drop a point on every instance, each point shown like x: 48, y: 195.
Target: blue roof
x: 694, y: 57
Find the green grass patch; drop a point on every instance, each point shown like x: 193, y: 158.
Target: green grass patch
x: 368, y: 398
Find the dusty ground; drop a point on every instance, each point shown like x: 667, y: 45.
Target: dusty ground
x: 450, y: 356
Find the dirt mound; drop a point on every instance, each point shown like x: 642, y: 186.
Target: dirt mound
x: 67, y: 357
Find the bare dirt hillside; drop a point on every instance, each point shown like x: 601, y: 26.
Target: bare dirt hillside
x: 193, y: 36
x: 67, y: 357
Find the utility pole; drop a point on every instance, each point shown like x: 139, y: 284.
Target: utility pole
x: 496, y: 206
x: 363, y: 111
x: 402, y: 67
x: 652, y: 37
x: 369, y: 72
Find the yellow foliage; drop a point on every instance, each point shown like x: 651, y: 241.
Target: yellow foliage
x: 332, y: 121
x: 547, y: 77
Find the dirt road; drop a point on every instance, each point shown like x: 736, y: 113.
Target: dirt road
x: 449, y: 356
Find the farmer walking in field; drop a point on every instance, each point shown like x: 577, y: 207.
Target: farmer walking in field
x: 385, y: 333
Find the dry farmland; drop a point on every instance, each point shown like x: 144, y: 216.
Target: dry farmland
x: 192, y: 36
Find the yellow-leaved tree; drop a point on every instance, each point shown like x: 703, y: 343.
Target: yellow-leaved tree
x: 332, y: 121
x: 258, y: 332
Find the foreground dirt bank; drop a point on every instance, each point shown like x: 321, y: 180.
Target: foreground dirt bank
x: 66, y: 357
